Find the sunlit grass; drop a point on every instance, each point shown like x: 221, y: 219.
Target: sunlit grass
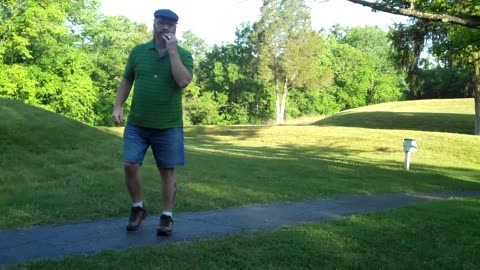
x: 55, y: 170
x: 440, y: 115
x: 451, y: 106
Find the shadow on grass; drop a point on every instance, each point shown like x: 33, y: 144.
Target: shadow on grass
x: 220, y: 175
x: 242, y: 132
x: 438, y: 122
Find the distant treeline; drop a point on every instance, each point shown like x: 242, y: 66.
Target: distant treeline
x: 66, y: 57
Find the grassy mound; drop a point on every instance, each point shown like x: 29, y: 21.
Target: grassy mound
x: 54, y: 168
x: 440, y: 115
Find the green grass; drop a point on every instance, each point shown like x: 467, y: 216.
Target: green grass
x: 437, y: 235
x: 55, y: 170
x: 440, y: 115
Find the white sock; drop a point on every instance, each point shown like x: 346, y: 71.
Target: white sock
x: 170, y: 214
x: 140, y: 203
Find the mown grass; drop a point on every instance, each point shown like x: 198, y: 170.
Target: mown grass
x: 436, y: 235
x: 440, y: 115
x: 55, y: 170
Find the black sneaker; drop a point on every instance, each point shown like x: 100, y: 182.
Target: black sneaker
x: 137, y: 215
x: 166, y: 226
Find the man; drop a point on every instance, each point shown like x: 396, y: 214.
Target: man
x: 160, y: 70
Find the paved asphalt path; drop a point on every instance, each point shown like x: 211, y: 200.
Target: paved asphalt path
x: 22, y: 245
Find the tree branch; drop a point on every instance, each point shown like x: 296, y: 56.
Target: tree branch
x: 467, y: 21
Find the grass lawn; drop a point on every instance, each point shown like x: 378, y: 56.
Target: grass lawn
x: 436, y: 235
x: 56, y: 170
x: 440, y: 115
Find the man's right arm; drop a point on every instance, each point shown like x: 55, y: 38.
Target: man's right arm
x: 122, y: 95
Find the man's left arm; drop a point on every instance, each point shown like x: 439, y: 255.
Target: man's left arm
x: 180, y: 72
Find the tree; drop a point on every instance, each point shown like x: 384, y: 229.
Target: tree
x: 464, y: 13
x: 452, y: 26
x: 64, y: 56
x: 441, y: 82
x: 201, y: 107
x: 194, y: 44
x: 28, y: 29
x: 286, y: 48
x: 228, y: 71
x: 108, y: 41
x: 382, y: 82
x: 38, y: 50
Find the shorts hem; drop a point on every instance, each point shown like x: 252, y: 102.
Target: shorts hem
x: 170, y: 166
x: 133, y: 162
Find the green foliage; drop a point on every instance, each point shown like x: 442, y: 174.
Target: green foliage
x: 28, y: 28
x: 17, y: 83
x: 311, y: 103
x: 108, y: 41
x: 197, y: 46
x: 228, y: 71
x: 285, y: 48
x: 352, y: 74
x: 444, y: 83
x: 319, y: 81
x: 363, y: 72
x: 454, y: 47
x: 204, y: 109
x: 64, y: 56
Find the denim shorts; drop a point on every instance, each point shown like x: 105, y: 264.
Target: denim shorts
x: 167, y: 145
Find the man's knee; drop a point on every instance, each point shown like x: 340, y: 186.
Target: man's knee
x: 167, y: 170
x: 168, y: 174
x: 131, y: 168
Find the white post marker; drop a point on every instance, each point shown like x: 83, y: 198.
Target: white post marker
x: 409, y: 145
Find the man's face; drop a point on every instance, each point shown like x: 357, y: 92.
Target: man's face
x: 162, y: 27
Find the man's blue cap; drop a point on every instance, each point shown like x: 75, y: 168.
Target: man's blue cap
x: 166, y: 14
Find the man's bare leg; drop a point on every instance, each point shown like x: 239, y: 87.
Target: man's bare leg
x: 134, y: 186
x: 133, y: 181
x: 169, y: 187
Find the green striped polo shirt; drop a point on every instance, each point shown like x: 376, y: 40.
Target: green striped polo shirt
x: 157, y: 99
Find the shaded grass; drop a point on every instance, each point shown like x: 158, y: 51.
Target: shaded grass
x: 435, y: 235
x: 55, y: 170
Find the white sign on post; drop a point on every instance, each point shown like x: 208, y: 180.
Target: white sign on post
x: 410, y: 146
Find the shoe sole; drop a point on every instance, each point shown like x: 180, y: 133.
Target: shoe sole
x: 135, y: 228
x: 132, y: 229
x: 164, y: 233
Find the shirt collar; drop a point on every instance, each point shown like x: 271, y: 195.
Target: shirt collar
x: 151, y: 44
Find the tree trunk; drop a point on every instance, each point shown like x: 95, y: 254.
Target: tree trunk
x: 477, y: 112
x: 279, y: 117
x: 284, y: 101
x: 476, y: 94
